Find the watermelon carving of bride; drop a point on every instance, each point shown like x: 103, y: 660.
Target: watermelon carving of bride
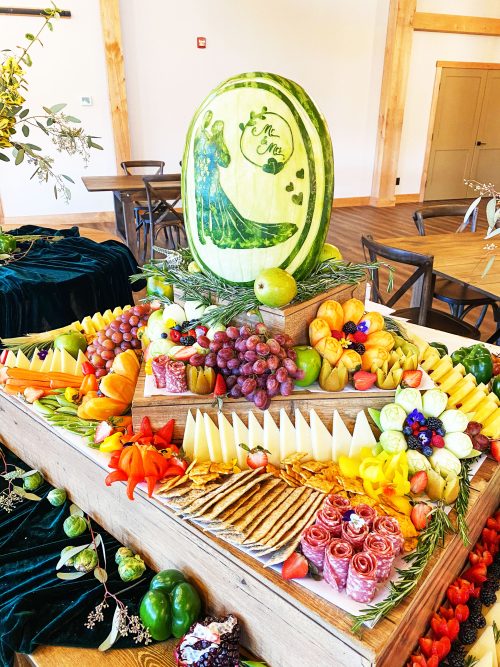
x: 257, y: 179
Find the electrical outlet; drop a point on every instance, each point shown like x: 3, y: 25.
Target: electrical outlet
x: 86, y: 101
x: 397, y: 180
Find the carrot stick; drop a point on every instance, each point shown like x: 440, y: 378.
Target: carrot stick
x: 26, y: 383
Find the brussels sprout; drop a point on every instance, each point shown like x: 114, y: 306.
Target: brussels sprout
x: 444, y: 462
x: 454, y: 420
x: 409, y: 399
x: 74, y: 525
x: 131, y: 568
x: 57, y: 497
x: 459, y: 444
x: 71, y: 561
x: 393, y: 442
x: 86, y: 560
x: 123, y: 552
x: 434, y: 402
x: 32, y: 482
x: 392, y: 417
x: 416, y: 462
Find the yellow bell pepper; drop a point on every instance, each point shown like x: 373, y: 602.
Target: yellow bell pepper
x: 112, y: 443
x: 70, y: 394
x: 349, y: 467
x: 372, y: 469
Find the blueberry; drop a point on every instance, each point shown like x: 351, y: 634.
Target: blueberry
x: 440, y: 431
x: 164, y: 335
x: 427, y: 451
x: 408, y: 430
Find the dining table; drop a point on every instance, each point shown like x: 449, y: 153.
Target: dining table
x: 128, y: 190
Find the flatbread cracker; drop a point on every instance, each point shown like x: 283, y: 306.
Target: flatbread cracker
x: 234, y: 480
x: 279, y: 516
x: 248, y: 523
x: 255, y: 503
x: 235, y: 494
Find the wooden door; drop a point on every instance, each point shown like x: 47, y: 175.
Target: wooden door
x: 486, y: 158
x: 456, y: 124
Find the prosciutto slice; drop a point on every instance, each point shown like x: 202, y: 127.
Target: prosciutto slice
x: 366, y: 512
x: 355, y: 533
x: 383, y: 550
x: 338, y: 502
x: 338, y: 555
x: 389, y: 527
x: 362, y: 577
x: 331, y: 519
x: 314, y: 541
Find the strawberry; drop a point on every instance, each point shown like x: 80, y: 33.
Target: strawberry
x: 425, y: 644
x: 359, y: 337
x: 462, y: 613
x: 363, y: 380
x: 220, y: 388
x: 257, y: 457
x: 411, y: 379
x: 295, y: 567
x: 418, y: 482
x: 495, y: 449
x: 437, y: 441
x: 419, y: 515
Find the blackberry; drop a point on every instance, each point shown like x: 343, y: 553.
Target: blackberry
x: 494, y: 570
x: 487, y: 595
x: 349, y: 327
x: 475, y: 605
x: 224, y: 654
x: 187, y: 340
x: 413, y: 442
x: 493, y: 582
x: 359, y: 348
x: 468, y: 633
x: 477, y: 620
x: 433, y: 423
x: 456, y: 656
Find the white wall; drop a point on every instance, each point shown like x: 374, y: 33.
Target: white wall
x: 70, y: 64
x: 488, y: 8
x: 333, y: 48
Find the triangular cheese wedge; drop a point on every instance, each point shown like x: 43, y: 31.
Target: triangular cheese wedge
x: 68, y: 364
x: 303, y: 440
x: 493, y: 614
x: 188, y: 440
x: 80, y: 360
x: 341, y: 437
x: 255, y: 432
x: 227, y: 443
x: 362, y: 435
x: 287, y: 435
x: 485, y: 645
x: 486, y: 661
x: 10, y: 362
x: 321, y: 438
x: 36, y: 362
x: 22, y: 361
x: 271, y: 439
x: 240, y: 437
x: 47, y: 362
x: 201, y: 451
x: 56, y: 366
x: 213, y: 440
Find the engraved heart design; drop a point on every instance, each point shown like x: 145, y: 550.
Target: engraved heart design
x: 298, y: 199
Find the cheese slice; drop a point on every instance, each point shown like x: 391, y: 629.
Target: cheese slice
x: 36, y: 362
x: 321, y: 438
x: 303, y: 440
x: 255, y: 432
x: 287, y: 435
x: 47, y: 362
x: 486, y: 661
x: 22, y: 360
x: 56, y: 365
x: 241, y: 436
x: 271, y: 439
x: 362, y: 435
x: 485, y: 645
x: 68, y: 364
x: 493, y: 614
x: 10, y: 362
x: 80, y: 360
x: 341, y: 437
x: 213, y: 440
x: 201, y: 452
x: 188, y: 439
x: 227, y: 443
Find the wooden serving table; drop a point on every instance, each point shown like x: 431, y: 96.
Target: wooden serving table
x: 283, y: 623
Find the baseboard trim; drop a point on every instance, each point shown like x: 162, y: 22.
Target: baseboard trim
x: 397, y: 199
x: 340, y: 202
x: 408, y: 199
x: 60, y: 219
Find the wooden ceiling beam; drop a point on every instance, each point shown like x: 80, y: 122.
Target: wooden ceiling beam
x: 454, y: 23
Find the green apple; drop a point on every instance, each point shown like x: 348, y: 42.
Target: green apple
x: 71, y: 342
x: 275, y: 287
x: 156, y: 326
x: 158, y: 287
x: 308, y: 360
x: 329, y: 251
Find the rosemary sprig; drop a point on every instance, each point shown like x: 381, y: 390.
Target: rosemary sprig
x: 462, y: 501
x: 428, y: 540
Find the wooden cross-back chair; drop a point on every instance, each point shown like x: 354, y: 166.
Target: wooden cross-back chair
x: 161, y: 210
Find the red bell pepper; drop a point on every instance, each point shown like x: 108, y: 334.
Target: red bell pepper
x: 167, y: 431
x: 116, y: 476
x: 146, y: 429
x: 138, y: 463
x: 88, y: 368
x: 493, y: 523
x: 159, y: 442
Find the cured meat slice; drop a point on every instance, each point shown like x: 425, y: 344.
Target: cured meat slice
x: 331, y: 519
x: 362, y: 578
x: 366, y: 512
x: 338, y: 502
x: 158, y: 368
x: 390, y: 528
x: 338, y: 555
x: 314, y: 541
x: 355, y: 531
x: 383, y: 550
x: 169, y: 375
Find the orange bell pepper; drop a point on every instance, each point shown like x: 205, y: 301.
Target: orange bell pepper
x: 89, y: 383
x: 138, y: 463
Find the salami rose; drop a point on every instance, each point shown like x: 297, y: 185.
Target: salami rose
x: 314, y: 541
x: 338, y: 555
x: 158, y: 368
x: 338, y: 502
x: 175, y: 377
x: 383, y: 550
x: 362, y: 578
x: 366, y: 512
x: 355, y: 531
x: 389, y: 527
x: 331, y: 519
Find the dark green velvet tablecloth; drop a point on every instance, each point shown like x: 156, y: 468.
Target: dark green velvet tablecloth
x: 58, y: 283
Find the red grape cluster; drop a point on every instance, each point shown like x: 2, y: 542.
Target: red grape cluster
x: 120, y: 335
x: 254, y: 365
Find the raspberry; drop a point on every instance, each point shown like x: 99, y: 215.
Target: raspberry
x: 360, y: 337
x: 337, y: 334
x: 349, y: 327
x: 437, y: 441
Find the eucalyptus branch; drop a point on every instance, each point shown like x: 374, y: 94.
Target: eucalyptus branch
x: 48, y: 14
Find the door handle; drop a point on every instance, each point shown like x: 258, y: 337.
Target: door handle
x: 480, y: 143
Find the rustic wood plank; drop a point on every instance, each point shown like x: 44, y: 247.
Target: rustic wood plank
x: 454, y: 23
x: 124, y: 183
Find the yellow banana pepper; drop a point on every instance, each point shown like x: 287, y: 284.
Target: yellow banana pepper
x: 112, y: 443
x: 70, y: 394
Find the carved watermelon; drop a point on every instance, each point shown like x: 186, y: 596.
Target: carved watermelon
x: 257, y: 179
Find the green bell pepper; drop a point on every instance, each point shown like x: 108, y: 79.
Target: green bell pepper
x: 476, y: 359
x: 441, y: 348
x: 495, y: 386
x: 7, y: 244
x: 170, y: 606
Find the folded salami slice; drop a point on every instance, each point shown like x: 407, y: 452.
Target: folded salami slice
x: 175, y: 377
x: 366, y: 512
x: 338, y: 502
x: 355, y: 531
x: 158, y: 368
x: 338, y: 555
x: 390, y: 528
x: 331, y: 519
x: 383, y: 550
x: 362, y: 578
x: 314, y: 541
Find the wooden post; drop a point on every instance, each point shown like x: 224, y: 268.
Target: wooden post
x: 392, y: 101
x: 452, y: 23
x: 110, y: 19
x: 1, y: 211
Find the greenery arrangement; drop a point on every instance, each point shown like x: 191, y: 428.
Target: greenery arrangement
x: 492, y: 207
x: 60, y: 127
